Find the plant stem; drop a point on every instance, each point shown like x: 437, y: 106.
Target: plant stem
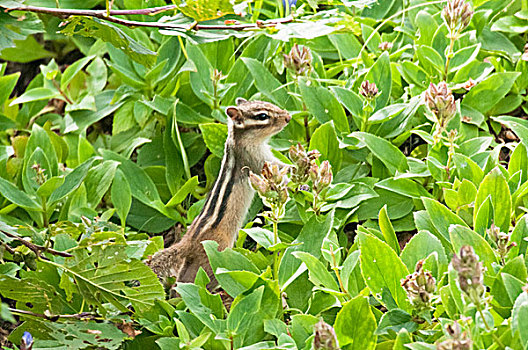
x: 488, y: 328
x: 101, y: 14
x: 275, y: 254
x: 36, y: 248
x: 449, y: 55
x: 53, y: 318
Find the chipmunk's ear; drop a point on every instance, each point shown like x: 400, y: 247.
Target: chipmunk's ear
x: 240, y: 101
x: 236, y: 116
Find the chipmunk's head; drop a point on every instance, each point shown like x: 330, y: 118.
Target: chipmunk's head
x: 256, y: 121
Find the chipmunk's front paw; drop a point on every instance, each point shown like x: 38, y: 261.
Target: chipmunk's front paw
x: 163, y: 263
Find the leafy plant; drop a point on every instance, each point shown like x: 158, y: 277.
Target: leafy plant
x: 400, y: 223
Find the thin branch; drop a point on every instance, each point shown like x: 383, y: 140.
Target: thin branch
x: 101, y: 14
x: 36, y: 248
x: 80, y: 316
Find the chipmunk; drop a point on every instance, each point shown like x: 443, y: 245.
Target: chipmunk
x: 250, y: 125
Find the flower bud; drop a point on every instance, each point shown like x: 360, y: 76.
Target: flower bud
x: 258, y: 184
x: 325, y: 176
x: 420, y: 286
x: 368, y: 90
x: 298, y: 61
x: 385, y: 46
x: 470, y: 273
x: 325, y: 337
x: 458, y: 340
x: 457, y: 15
x: 440, y: 101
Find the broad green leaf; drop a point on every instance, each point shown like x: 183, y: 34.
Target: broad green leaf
x: 121, y: 196
x: 389, y: 154
x: 36, y: 94
x: 214, y: 135
x: 183, y: 192
x: 7, y: 84
x: 377, y: 258
x: 520, y: 318
x: 496, y: 186
x: 266, y: 83
x: 387, y: 230
x: 319, y: 275
x: 311, y: 240
x: 463, y: 57
x: 72, y: 70
x: 98, y: 181
x: 323, y: 105
x: 203, y: 10
x: 422, y: 245
x: 404, y: 186
x: 467, y: 169
x: 324, y: 139
x: 484, y: 216
x: 141, y: 185
x: 17, y: 196
x: 355, y: 325
x: 490, y: 91
x: 441, y: 217
x: 72, y: 181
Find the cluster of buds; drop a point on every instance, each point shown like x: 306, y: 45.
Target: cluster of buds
x: 40, y: 173
x: 302, y: 161
x: 457, y: 16
x: 299, y: 61
x: 368, y: 90
x: 321, y: 177
x: 524, y: 56
x: 272, y: 187
x: 325, y: 337
x: 502, y: 240
x: 470, y: 273
x: 420, y: 286
x: 458, y: 340
x: 217, y: 76
x: 385, y: 46
x: 440, y: 100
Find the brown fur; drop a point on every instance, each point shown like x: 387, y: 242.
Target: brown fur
x: 246, y: 147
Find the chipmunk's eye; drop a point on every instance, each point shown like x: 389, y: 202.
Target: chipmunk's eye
x: 261, y: 116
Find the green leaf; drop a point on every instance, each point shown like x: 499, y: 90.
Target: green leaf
x: 266, y: 83
x: 463, y: 57
x: 520, y: 318
x: 318, y: 273
x: 121, y: 196
x: 355, y: 325
x: 490, y: 91
x: 377, y: 259
x: 72, y: 181
x: 311, y: 240
x: 380, y: 73
x: 323, y: 105
x: 98, y: 181
x: 36, y: 94
x: 187, y: 188
x: 106, y: 274
x: 422, y: 245
x: 467, y: 169
x: 441, y: 217
x: 389, y: 154
x: 388, y: 231
x: 496, y: 186
x: 16, y: 196
x: 95, y: 28
x: 141, y: 185
x: 324, y: 139
x: 7, y: 84
x: 215, y: 136
x: 72, y: 70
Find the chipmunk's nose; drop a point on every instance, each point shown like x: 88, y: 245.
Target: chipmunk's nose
x: 287, y: 118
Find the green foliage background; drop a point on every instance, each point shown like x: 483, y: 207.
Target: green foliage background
x: 118, y: 136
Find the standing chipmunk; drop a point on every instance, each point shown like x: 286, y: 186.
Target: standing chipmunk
x: 250, y: 125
